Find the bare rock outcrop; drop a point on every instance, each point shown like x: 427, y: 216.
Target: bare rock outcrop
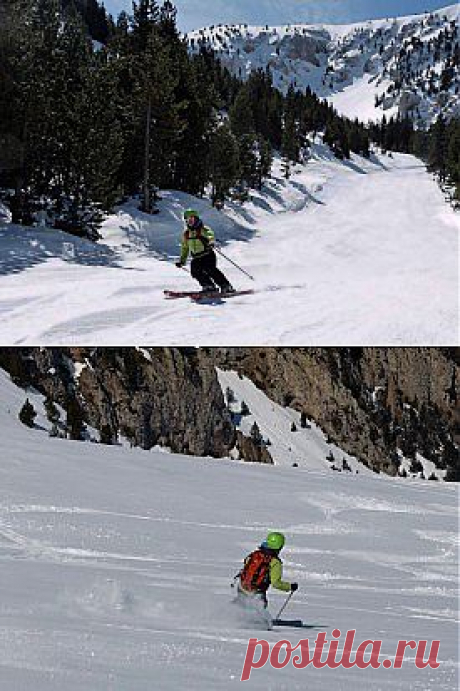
x: 251, y: 452
x: 370, y: 401
x: 165, y: 396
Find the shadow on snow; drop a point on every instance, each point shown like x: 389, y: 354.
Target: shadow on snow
x: 22, y: 248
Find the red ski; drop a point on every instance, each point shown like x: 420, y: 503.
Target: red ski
x: 198, y: 295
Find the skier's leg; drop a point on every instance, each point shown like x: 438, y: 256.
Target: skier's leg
x: 255, y: 605
x: 217, y: 275
x: 199, y: 272
x: 266, y: 614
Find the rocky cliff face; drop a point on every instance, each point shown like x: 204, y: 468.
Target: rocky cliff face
x: 370, y: 401
x: 165, y: 396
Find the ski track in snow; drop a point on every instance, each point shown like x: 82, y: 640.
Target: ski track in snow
x: 358, y: 253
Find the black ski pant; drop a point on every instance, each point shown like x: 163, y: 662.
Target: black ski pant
x: 204, y: 270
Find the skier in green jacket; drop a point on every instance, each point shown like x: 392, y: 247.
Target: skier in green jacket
x: 263, y: 568
x: 198, y: 240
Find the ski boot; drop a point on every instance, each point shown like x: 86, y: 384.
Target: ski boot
x: 208, y: 289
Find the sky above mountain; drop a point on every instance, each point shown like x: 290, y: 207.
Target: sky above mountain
x: 193, y: 14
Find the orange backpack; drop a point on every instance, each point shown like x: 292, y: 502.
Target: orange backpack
x: 255, y: 575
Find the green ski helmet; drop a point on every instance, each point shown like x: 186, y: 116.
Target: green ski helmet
x: 188, y: 213
x: 275, y: 541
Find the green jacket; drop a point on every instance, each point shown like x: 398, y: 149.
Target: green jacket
x: 192, y: 242
x: 276, y: 575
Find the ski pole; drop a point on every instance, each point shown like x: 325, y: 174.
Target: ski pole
x: 234, y: 264
x: 284, y: 606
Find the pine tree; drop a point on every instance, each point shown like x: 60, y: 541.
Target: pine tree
x: 264, y: 160
x: 160, y: 124
x: 247, y: 173
x: 75, y: 418
x: 55, y: 75
x: 336, y: 136
x: 92, y: 142
x: 244, y: 409
x: 196, y: 126
x: 438, y: 148
x: 223, y: 164
x: 229, y: 395
x: 33, y: 36
x: 453, y: 155
x: 10, y: 146
x: 167, y: 21
x: 95, y: 18
x: 241, y: 115
x: 256, y: 436
x: 27, y: 414
x: 52, y: 413
x: 106, y: 435
x: 144, y: 22
x: 157, y: 125
x: 290, y: 144
x: 98, y: 141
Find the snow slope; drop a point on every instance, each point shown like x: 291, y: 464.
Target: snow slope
x: 360, y: 252
x: 116, y: 564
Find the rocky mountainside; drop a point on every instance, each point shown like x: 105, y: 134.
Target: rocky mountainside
x: 166, y: 396
x: 405, y: 65
x: 378, y: 404
x: 375, y: 403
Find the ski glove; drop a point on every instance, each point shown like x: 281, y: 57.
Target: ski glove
x: 294, y: 587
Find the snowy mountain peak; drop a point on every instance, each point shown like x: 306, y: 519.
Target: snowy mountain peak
x: 406, y: 65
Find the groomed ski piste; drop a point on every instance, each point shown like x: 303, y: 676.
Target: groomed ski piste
x: 116, y: 565
x: 344, y: 253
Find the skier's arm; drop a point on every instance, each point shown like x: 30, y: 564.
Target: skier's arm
x: 208, y: 234
x: 276, y: 576
x: 184, y: 250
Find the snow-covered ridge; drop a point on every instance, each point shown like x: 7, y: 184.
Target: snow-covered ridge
x: 369, y: 69
x: 452, y: 12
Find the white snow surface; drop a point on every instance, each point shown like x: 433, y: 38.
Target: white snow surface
x: 344, y: 253
x: 116, y: 565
